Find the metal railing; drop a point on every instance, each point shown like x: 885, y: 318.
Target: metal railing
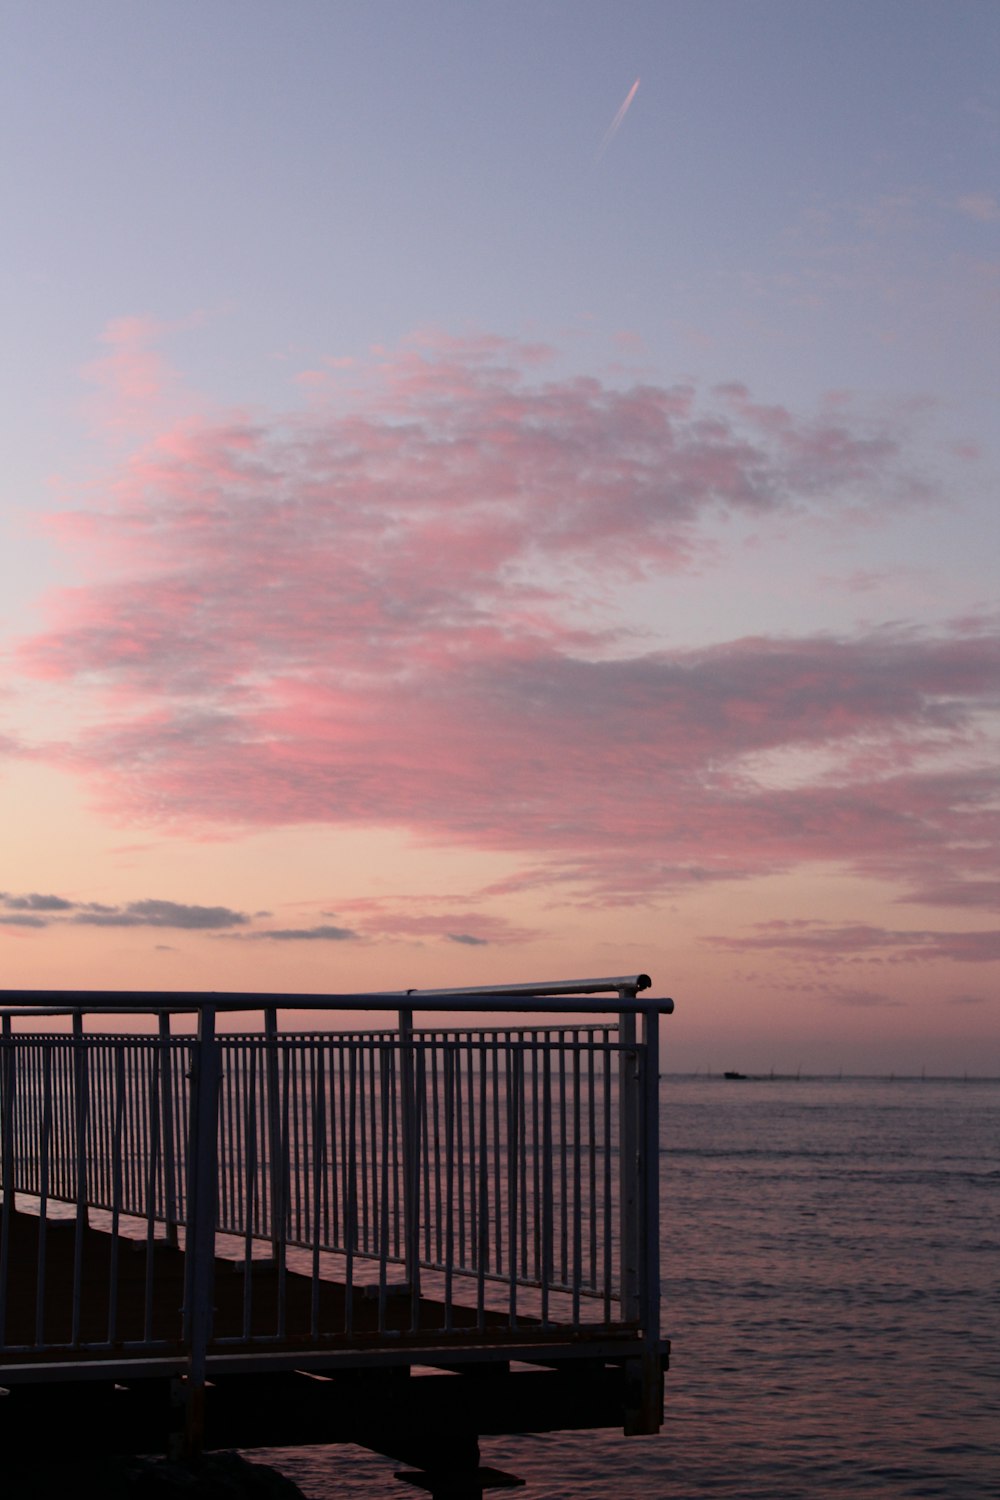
x: 430, y: 1184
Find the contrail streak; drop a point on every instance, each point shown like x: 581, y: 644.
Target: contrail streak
x: 612, y: 129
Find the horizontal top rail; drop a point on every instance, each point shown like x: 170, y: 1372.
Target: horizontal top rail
x: 565, y: 997
x: 559, y: 987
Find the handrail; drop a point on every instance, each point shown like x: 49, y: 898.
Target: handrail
x: 561, y: 997
x: 232, y: 1004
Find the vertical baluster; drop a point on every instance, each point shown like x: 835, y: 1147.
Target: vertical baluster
x: 547, y: 1226
x: 437, y: 1083
x: 177, y: 1049
x: 515, y: 1153
x: 142, y: 1105
x: 131, y: 1133
x: 592, y: 1161
x: 57, y: 1152
x: 351, y: 1192
x: 374, y: 1063
x: 232, y: 1134
x: 523, y: 1053
x: 411, y: 1163
x: 608, y: 1208
x: 273, y: 1151
x: 329, y: 1136
x: 116, y: 1191
x: 563, y: 1163
x: 43, y: 1193
x: 362, y: 1230
x: 281, y: 1206
x: 80, y: 1122
x: 98, y: 1186
x: 249, y: 1181
x: 7, y: 1051
x: 28, y: 1131
x: 225, y: 1140
x: 577, y: 1184
x: 169, y: 1148
x: 460, y: 1155
x: 338, y: 1153
x: 152, y: 1052
x: 499, y: 1216
x: 537, y: 1056
x: 319, y: 1164
x: 418, y: 1126
x: 483, y: 1241
x: 395, y: 1187
x: 449, y: 1153
x: 385, y: 1089
x: 469, y: 1250
x: 295, y: 1081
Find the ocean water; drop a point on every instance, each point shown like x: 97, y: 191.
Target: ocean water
x: 831, y: 1260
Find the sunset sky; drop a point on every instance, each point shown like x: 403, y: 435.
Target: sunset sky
x: 508, y: 491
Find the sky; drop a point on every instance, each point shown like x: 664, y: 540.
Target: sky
x: 507, y: 492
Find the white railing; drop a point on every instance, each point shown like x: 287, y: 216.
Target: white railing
x: 491, y: 1180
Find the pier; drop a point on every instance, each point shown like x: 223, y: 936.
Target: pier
x: 221, y: 1230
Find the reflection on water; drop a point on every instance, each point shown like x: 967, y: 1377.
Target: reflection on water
x: 830, y: 1253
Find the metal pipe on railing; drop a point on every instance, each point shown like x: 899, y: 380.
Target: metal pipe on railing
x: 116, y: 1193
x: 650, y: 1174
x: 152, y: 1113
x: 275, y: 1146
x: 43, y: 1194
x: 628, y: 1156
x: 199, y: 1245
x: 169, y: 1153
x: 81, y: 1100
x: 411, y: 1164
x: 546, y: 1269
x: 622, y: 994
x: 7, y: 1123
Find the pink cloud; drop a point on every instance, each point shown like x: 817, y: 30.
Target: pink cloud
x: 837, y: 943
x: 981, y: 206
x: 514, y: 751
x: 456, y: 925
x: 377, y: 612
x: 970, y: 893
x: 450, y: 491
x: 130, y: 379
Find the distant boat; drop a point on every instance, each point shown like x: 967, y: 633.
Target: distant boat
x: 734, y: 1075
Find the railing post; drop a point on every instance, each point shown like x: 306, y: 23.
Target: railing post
x: 167, y: 1110
x: 411, y: 1161
x: 7, y: 1153
x: 275, y: 1145
x: 81, y: 1099
x: 650, y: 1174
x: 628, y: 1163
x: 644, y: 1376
x: 199, y: 1244
x: 8, y: 1158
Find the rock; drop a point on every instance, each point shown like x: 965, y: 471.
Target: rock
x: 216, y: 1476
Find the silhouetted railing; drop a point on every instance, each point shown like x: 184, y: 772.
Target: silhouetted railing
x: 496, y: 1182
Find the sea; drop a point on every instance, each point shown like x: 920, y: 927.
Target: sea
x: 831, y: 1273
